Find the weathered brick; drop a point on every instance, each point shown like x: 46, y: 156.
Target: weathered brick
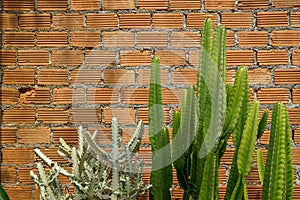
x: 67, y: 21
x: 143, y: 115
x: 287, y: 76
x: 295, y: 19
x: 118, y: 39
x: 34, y: 21
x: 152, y: 39
x: 219, y: 4
x: 101, y: 20
x: 33, y: 57
x: 8, y: 21
x: 296, y: 57
x: 185, y: 39
x: 252, y: 4
x: 272, y: 19
x: 66, y: 57
x: 17, y: 155
x: 119, y: 77
x: 24, y: 5
x: 135, y: 20
x: 184, y: 76
x: 294, y: 114
x: 272, y: 57
x: 171, y: 57
x: 167, y: 20
x: 144, y: 76
x: 285, y: 3
x: 9, y: 95
x: 195, y: 20
x: 52, y: 5
x: 100, y: 58
x: 296, y: 96
x: 124, y: 115
x: 239, y: 57
x: 68, y: 95
x: 18, y: 76
x: 185, y: 4
x: 69, y: 135
x: 34, y: 135
x: 8, y: 174
x: 85, y: 5
x: 34, y: 96
x: 86, y: 115
x: 85, y: 39
x: 102, y: 96
x: 8, y: 135
x: 135, y: 57
x: 86, y: 76
x: 52, y: 39
x: 53, y: 77
x: 152, y: 4
x: 53, y: 116
x: 19, y: 39
x: 118, y: 4
x: 272, y: 95
x: 253, y: 38
x: 259, y: 76
x: 237, y: 20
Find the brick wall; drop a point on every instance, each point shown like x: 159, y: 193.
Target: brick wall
x: 71, y: 62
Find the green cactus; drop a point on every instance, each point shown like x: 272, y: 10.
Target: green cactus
x: 3, y: 194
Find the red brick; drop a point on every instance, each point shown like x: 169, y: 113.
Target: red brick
x: 118, y: 4
x: 144, y: 76
x: 86, y: 115
x: 272, y: 57
x: 297, y: 136
x: 18, y: 76
x: 102, y: 96
x: 66, y: 57
x: 253, y: 38
x: 8, y: 174
x: 68, y: 95
x: 184, y: 76
x: 272, y: 95
x: 134, y: 95
x: 24, y: 5
x: 118, y: 39
x: 124, y: 115
x: 167, y: 20
x: 171, y: 57
x: 152, y: 39
x: 252, y: 4
x: 259, y: 76
x: 286, y: 38
x: 296, y: 57
x: 294, y: 114
x: 33, y: 57
x: 34, y: 21
x: 18, y: 192
x: 195, y: 20
x: 69, y: 134
x: 35, y: 96
x: 185, y: 39
x: 135, y: 58
x: 152, y: 4
x: 237, y: 20
x: 86, y: 76
x: 17, y: 155
x: 285, y: 3
x: 8, y: 21
x: 51, y: 152
x: 143, y: 115
x: 194, y: 57
x: 85, y: 39
x: 9, y: 95
x: 100, y: 58
x: 239, y: 57
x: 185, y: 4
x: 101, y: 20
x: 296, y: 96
x: 19, y: 39
x: 8, y: 135
x: 219, y: 4
x: 52, y: 5
x: 53, y: 77
x: 85, y: 5
x: 8, y: 57
x: 24, y: 175
x: 52, y: 39
x: 119, y: 77
x: 67, y: 21
x: 295, y: 19
x: 135, y: 20
x: 230, y: 38
x: 287, y: 76
x: 53, y: 116
x: 272, y: 19
x: 34, y: 135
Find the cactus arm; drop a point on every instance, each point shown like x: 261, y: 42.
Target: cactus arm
x: 260, y: 165
x: 135, y: 140
x: 3, y: 194
x: 114, y: 155
x: 262, y: 124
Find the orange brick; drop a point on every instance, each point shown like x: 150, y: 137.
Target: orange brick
x: 294, y: 114
x: 253, y: 38
x: 259, y: 76
x: 34, y: 21
x: 239, y: 57
x: 85, y: 39
x: 34, y: 135
x: 171, y: 57
x: 152, y: 39
x: 296, y: 57
x: 296, y: 96
x: 18, y: 192
x: 134, y: 96
x: 8, y: 135
x: 171, y: 96
x: 9, y: 95
x: 185, y: 4
x: 24, y: 175
x: 237, y: 20
x: 285, y: 4
x: 143, y: 115
x: 67, y: 21
x: 51, y: 152
x: 103, y: 96
x: 185, y: 76
x: 219, y: 4
x: 17, y: 155
x: 119, y: 77
x: 135, y: 20
x: 86, y: 76
x: 135, y: 57
x: 85, y: 5
x: 185, y: 39
x: 68, y: 95
x: 272, y: 19
x: 66, y: 57
x: 8, y: 21
x: 8, y: 57
x: 230, y: 40
x: 69, y: 134
x: 118, y: 4
x: 24, y: 5
x: 101, y: 20
x: 53, y: 116
x: 287, y: 76
x: 167, y: 20
x: 124, y: 115
x: 252, y: 4
x: 118, y: 39
x: 152, y: 4
x: 86, y: 115
x: 19, y: 39
x: 100, y: 58
x: 18, y: 76
x: 272, y: 95
x: 52, y: 5
x: 52, y: 77
x: 52, y: 39
x: 144, y: 76
x: 34, y: 96
x: 286, y: 38
x: 194, y: 58
x: 295, y: 19
x: 272, y: 57
x: 8, y: 174
x: 104, y: 136
x: 195, y: 20
x: 33, y: 57
x: 297, y: 136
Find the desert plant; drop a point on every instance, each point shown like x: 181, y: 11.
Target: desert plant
x: 95, y: 173
x: 3, y: 194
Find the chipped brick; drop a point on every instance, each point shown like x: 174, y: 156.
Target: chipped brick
x: 35, y: 96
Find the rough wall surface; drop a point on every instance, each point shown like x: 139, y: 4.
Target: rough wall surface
x: 71, y: 62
